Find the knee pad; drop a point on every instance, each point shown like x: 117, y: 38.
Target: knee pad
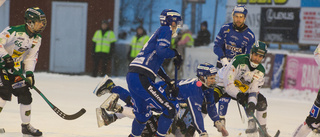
x: 24, y: 95
x: 262, y: 103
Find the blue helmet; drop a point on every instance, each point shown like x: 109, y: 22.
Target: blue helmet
x: 206, y: 69
x: 168, y: 16
x: 240, y: 9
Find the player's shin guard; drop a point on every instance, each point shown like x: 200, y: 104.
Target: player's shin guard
x: 25, y: 113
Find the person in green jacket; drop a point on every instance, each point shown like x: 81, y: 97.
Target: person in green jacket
x: 103, y: 48
x: 137, y: 43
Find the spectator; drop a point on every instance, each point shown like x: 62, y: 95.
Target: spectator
x: 103, y: 48
x: 185, y: 41
x: 203, y: 37
x: 137, y: 43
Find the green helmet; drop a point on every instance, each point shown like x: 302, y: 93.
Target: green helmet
x: 260, y: 48
x: 33, y: 15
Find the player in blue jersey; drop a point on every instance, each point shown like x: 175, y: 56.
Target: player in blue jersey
x: 197, y: 96
x: 143, y: 71
x: 233, y: 39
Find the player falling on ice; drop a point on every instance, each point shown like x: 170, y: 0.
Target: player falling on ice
x: 195, y: 94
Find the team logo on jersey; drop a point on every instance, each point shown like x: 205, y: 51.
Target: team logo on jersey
x: 242, y: 87
x: 314, y: 112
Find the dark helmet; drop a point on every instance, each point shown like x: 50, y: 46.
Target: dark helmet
x: 33, y: 15
x: 260, y: 48
x: 168, y: 16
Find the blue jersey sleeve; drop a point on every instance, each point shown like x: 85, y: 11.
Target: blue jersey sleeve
x: 163, y: 43
x: 251, y: 42
x: 218, y: 48
x: 211, y: 107
x: 195, y: 105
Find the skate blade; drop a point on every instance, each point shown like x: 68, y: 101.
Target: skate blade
x: 2, y: 130
x: 99, y: 118
x: 106, y: 77
x: 26, y: 135
x: 255, y: 134
x: 106, y: 104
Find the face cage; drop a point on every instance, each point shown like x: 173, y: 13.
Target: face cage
x: 32, y: 23
x: 205, y: 82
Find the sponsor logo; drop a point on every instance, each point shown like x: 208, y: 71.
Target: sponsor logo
x: 281, y: 15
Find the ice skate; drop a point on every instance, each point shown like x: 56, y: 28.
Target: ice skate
x: 105, y: 86
x: 264, y: 133
x: 111, y: 103
x: 103, y: 118
x: 251, y: 131
x: 29, y: 131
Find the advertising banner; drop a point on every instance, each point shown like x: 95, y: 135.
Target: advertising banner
x: 254, y: 10
x: 279, y: 24
x: 278, y: 66
x: 301, y: 73
x: 310, y: 26
x: 268, y: 66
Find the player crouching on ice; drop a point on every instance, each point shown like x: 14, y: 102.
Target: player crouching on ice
x: 196, y: 94
x: 312, y: 122
x: 242, y: 79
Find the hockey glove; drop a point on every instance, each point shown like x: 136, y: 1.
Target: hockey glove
x: 30, y: 78
x: 177, y: 60
x: 224, y: 61
x: 173, y: 89
x: 241, y: 97
x: 250, y: 108
x: 221, y: 128
x: 9, y: 63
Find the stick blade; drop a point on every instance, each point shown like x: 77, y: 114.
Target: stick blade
x: 76, y: 115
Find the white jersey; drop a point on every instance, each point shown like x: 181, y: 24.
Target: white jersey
x: 15, y: 41
x: 239, y: 76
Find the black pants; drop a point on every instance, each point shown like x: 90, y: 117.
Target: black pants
x: 105, y: 60
x: 21, y: 91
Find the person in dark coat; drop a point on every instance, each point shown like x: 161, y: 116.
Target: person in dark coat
x: 203, y: 37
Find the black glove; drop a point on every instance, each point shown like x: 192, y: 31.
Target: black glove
x: 173, y: 89
x: 250, y: 108
x: 30, y: 78
x: 9, y: 63
x: 242, y: 99
x: 177, y: 60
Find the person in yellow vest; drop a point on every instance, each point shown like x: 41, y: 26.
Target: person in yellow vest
x: 186, y: 40
x: 103, y: 48
x: 137, y: 43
